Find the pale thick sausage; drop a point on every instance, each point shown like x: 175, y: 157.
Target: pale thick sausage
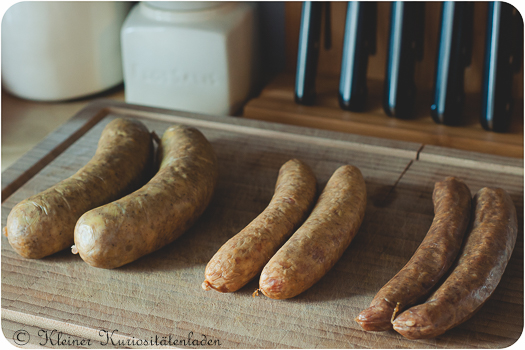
x: 44, y: 223
x: 155, y: 215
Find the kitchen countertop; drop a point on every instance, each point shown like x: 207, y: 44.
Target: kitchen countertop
x: 25, y: 123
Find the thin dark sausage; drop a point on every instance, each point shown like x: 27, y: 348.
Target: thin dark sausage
x: 244, y: 255
x: 435, y: 255
x: 478, y: 271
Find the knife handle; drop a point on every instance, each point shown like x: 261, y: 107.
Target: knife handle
x: 308, y: 52
x: 503, y: 55
x: 405, y: 48
x: 359, y: 42
x: 454, y: 55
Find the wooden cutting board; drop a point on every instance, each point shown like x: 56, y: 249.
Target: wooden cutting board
x: 159, y: 297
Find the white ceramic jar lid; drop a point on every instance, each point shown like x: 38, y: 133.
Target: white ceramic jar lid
x: 185, y: 11
x: 183, y: 5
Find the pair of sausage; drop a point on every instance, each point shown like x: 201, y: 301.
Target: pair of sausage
x: 434, y: 256
x: 43, y: 224
x: 310, y: 252
x: 483, y: 256
x: 321, y: 241
x: 109, y: 232
x: 476, y: 274
x: 244, y: 255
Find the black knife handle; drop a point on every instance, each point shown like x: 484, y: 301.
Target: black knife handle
x: 308, y: 52
x: 359, y: 42
x: 503, y: 55
x: 405, y: 48
x: 454, y: 55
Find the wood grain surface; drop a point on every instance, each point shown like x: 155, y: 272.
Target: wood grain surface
x: 159, y: 296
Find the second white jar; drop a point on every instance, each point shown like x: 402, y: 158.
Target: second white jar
x: 192, y: 56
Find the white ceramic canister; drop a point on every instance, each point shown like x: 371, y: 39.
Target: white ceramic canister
x: 59, y: 50
x: 192, y: 56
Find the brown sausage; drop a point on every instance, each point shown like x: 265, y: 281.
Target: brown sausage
x: 244, y: 255
x: 482, y: 261
x: 320, y: 242
x: 435, y: 255
x: 159, y: 212
x: 44, y: 223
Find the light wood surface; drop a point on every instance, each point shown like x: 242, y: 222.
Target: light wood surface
x: 25, y: 123
x: 160, y: 294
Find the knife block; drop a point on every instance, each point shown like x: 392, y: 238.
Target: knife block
x: 276, y: 100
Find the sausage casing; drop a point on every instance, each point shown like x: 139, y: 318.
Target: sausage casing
x: 244, y: 255
x: 476, y: 274
x: 43, y: 224
x: 434, y: 256
x: 321, y: 241
x: 156, y: 214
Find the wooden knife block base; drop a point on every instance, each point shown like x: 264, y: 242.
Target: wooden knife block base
x: 276, y: 104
